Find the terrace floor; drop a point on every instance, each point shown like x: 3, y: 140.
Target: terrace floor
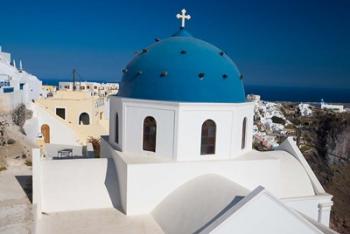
x: 106, y: 221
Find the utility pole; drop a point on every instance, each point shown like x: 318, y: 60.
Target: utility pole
x: 74, y: 77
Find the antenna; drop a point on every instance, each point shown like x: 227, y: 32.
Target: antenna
x: 74, y: 77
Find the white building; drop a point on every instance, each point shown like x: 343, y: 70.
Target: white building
x: 93, y: 88
x: 16, y: 85
x: 179, y: 156
x: 333, y: 107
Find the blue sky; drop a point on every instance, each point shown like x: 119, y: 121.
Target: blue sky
x: 279, y: 43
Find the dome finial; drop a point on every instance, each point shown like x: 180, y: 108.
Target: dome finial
x: 183, y: 17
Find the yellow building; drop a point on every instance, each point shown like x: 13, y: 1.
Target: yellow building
x: 84, y: 113
x: 49, y: 88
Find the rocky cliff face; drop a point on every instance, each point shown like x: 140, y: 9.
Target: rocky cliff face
x: 332, y: 163
x: 324, y: 138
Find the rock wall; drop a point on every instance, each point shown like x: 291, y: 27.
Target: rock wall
x: 324, y: 138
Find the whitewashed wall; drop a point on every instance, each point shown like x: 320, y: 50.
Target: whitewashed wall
x: 60, y: 133
x: 319, y: 207
x: 250, y: 217
x: 116, y: 107
x: 149, y: 184
x: 179, y: 127
x: 75, y: 184
x: 9, y: 101
x: 32, y: 87
x: 134, y: 118
x: 120, y: 178
x: 228, y: 119
x: 146, y: 182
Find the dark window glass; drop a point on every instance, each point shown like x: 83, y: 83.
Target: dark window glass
x: 149, y: 134
x: 244, y: 126
x: 116, y: 128
x: 61, y: 112
x: 84, y: 119
x: 208, y: 137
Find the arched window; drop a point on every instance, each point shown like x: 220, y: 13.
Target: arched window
x: 244, y: 129
x: 149, y: 134
x: 116, y: 128
x: 84, y: 119
x: 208, y: 138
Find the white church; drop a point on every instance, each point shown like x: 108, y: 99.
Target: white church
x: 179, y: 158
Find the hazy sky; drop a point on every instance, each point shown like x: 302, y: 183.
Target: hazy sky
x: 273, y: 42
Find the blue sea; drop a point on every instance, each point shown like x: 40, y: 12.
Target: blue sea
x: 300, y: 94
x: 292, y: 94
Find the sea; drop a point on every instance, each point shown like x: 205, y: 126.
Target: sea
x: 275, y: 93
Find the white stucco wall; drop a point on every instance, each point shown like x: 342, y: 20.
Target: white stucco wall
x: 134, y: 118
x: 9, y: 101
x: 310, y: 207
x: 60, y: 133
x: 74, y: 184
x: 228, y: 119
x: 250, y: 217
x: 156, y: 181
x: 115, y: 107
x: 32, y: 87
x: 317, y: 207
x: 36, y: 183
x: 147, y: 184
x: 121, y: 178
x: 149, y: 180
x: 179, y: 127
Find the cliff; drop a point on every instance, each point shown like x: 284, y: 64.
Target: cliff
x: 324, y: 138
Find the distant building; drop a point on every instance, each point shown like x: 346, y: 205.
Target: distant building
x: 332, y: 107
x: 253, y: 98
x: 48, y: 90
x: 16, y: 85
x: 305, y: 109
x: 93, y: 88
x: 68, y: 118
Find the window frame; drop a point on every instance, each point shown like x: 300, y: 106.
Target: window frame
x: 244, y: 134
x: 116, y: 128
x: 149, y: 140
x: 88, y: 118
x: 208, y: 137
x: 60, y: 109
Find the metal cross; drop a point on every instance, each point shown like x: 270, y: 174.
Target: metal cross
x: 183, y: 17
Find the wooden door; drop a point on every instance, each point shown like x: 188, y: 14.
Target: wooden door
x: 45, y: 131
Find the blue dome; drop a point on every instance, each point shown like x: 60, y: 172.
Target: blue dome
x: 182, y: 68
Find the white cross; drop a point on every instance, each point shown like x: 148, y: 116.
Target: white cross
x: 183, y: 17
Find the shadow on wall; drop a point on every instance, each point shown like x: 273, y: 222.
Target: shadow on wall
x: 112, y: 184
x: 26, y: 183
